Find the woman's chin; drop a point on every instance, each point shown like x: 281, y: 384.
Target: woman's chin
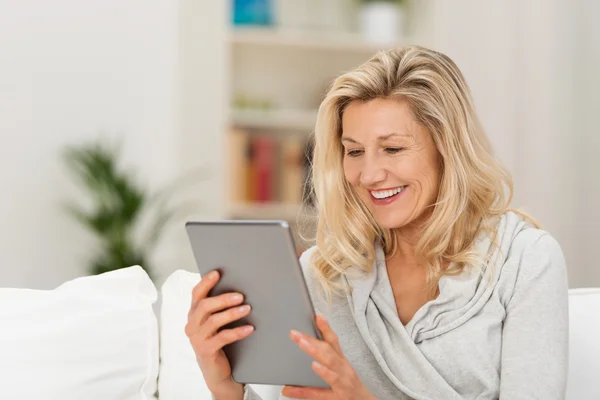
x: 390, y: 221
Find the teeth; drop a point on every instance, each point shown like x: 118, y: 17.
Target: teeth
x: 382, y: 194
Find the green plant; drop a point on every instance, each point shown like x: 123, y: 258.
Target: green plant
x: 125, y: 216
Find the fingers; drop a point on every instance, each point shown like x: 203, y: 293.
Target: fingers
x: 211, y: 306
x: 208, y: 318
x: 320, y: 350
x: 203, y: 287
x: 227, y: 336
x: 330, y: 364
x: 297, y: 392
x: 327, y: 351
x: 206, y: 315
x: 328, y: 334
x: 335, y: 379
x: 218, y: 320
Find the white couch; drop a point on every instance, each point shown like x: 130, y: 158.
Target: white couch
x: 101, y: 337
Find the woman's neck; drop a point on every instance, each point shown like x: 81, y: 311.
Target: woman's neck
x: 407, y: 238
x: 405, y: 254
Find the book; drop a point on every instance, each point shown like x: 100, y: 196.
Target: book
x: 264, y: 162
x: 264, y: 168
x: 292, y: 174
x: 238, y: 143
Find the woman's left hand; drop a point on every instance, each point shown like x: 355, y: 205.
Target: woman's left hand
x: 331, y: 365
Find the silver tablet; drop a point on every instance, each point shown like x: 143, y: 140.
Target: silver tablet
x: 259, y: 260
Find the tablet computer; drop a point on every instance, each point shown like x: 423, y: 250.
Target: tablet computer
x: 259, y: 260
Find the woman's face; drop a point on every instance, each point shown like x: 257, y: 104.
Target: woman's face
x: 391, y: 160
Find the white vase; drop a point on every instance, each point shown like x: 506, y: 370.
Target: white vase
x: 381, y: 22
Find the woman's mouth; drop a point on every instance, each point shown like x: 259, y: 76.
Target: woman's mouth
x: 386, y: 196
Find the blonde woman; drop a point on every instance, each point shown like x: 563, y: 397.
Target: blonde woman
x: 427, y: 286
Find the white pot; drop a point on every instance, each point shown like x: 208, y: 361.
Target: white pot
x: 381, y: 22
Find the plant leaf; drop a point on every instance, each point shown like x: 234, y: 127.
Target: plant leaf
x: 164, y: 218
x: 118, y: 203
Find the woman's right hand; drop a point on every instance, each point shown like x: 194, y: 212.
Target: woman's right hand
x: 206, y: 316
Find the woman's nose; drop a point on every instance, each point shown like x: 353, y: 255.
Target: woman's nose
x: 373, y: 172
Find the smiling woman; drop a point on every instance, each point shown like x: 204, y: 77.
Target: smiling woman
x: 396, y: 174
x: 428, y: 285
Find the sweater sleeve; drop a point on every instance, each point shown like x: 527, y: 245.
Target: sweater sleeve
x: 535, y: 330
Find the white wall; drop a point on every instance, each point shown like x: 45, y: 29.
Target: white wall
x: 155, y: 73
x: 479, y: 37
x: 585, y: 134
x: 545, y: 113
x: 203, y: 110
x: 70, y: 70
x: 521, y: 60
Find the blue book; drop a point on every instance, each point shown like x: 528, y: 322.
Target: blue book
x: 252, y: 12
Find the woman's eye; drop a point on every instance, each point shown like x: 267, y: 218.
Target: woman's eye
x: 353, y: 153
x: 393, y: 150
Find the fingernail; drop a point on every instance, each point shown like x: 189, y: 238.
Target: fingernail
x: 305, y: 343
x: 244, y: 309
x: 317, y: 364
x: 295, y: 334
x: 213, y: 275
x: 248, y: 329
x: 236, y: 297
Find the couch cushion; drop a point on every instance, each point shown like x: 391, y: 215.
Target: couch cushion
x: 584, y: 344
x: 91, y: 338
x: 180, y: 377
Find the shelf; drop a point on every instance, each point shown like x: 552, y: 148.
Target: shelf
x: 280, y: 119
x: 315, y: 40
x: 289, y: 212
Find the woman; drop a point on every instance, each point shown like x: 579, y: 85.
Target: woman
x: 427, y: 286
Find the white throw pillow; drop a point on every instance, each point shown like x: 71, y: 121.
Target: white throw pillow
x: 94, y: 337
x: 584, y: 346
x: 180, y: 377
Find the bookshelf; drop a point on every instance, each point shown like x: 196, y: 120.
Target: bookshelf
x: 277, y: 78
x: 289, y: 70
x: 304, y: 40
x: 285, y: 119
x: 276, y: 210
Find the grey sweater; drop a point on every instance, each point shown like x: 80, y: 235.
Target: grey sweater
x: 479, y: 339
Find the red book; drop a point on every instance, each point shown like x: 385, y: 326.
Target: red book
x: 264, y: 154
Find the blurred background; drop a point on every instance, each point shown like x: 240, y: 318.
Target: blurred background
x: 120, y: 119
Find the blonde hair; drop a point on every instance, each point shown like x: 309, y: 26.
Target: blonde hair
x: 475, y: 189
